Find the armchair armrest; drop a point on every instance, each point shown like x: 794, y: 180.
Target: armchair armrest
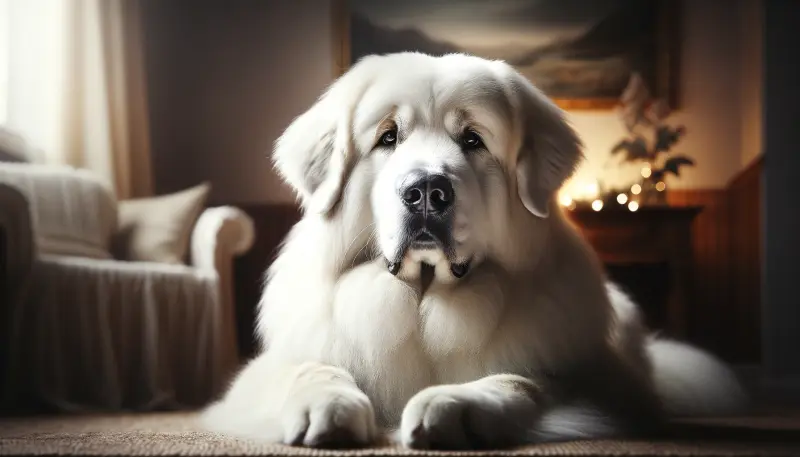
x: 221, y: 233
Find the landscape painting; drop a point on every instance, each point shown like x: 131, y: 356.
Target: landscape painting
x: 579, y: 52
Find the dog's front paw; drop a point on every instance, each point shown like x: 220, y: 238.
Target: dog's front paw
x: 331, y: 417
x: 467, y: 416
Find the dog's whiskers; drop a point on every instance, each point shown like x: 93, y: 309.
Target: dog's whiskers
x: 373, y: 249
x: 355, y: 238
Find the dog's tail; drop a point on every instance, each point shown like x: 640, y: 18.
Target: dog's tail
x: 688, y: 381
x: 692, y: 382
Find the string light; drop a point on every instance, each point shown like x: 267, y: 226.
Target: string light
x: 636, y: 189
x: 597, y: 205
x: 633, y: 206
x: 646, y: 172
x: 565, y: 200
x: 661, y: 186
x: 622, y: 198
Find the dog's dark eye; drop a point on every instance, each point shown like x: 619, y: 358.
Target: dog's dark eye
x: 471, y: 141
x: 389, y: 138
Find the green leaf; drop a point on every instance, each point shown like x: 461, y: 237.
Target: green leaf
x: 638, y: 149
x: 634, y: 150
x: 673, y: 164
x: 666, y: 138
x: 623, y: 145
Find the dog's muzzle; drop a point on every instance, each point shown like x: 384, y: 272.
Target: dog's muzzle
x: 429, y: 200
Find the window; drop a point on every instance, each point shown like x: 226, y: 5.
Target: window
x: 4, y: 45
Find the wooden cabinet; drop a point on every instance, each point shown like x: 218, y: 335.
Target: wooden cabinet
x: 650, y: 236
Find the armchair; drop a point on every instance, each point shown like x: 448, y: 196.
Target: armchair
x: 87, y: 330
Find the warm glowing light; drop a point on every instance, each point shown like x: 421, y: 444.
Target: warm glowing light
x: 660, y: 186
x: 591, y: 189
x: 622, y: 198
x: 565, y: 200
x: 646, y: 172
x: 636, y: 189
x: 633, y: 206
x: 597, y: 205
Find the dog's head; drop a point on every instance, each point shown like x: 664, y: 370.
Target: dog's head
x: 439, y: 157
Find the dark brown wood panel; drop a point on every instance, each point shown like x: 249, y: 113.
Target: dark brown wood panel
x: 725, y: 315
x: 745, y: 218
x: 710, y: 233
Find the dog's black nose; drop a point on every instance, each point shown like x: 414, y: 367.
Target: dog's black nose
x: 432, y: 194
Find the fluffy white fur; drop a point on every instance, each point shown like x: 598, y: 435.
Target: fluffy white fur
x: 532, y: 344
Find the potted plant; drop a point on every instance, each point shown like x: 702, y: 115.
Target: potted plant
x: 649, y: 141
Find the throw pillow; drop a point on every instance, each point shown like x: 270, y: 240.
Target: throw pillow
x: 13, y: 147
x: 159, y: 229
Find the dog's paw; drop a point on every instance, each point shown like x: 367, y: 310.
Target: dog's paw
x: 332, y: 417
x: 466, y: 416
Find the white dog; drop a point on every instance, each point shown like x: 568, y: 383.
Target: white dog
x: 433, y: 288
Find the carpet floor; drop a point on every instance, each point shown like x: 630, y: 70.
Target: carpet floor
x: 179, y: 434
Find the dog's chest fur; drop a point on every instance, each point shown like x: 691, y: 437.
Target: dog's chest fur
x: 396, y: 341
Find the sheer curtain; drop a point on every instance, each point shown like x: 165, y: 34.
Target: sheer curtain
x: 73, y: 86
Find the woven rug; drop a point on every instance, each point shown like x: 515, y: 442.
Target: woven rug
x: 178, y: 434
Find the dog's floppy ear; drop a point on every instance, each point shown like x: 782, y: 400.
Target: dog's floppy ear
x: 315, y: 154
x: 550, y: 149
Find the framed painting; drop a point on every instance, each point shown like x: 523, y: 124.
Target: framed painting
x: 581, y: 53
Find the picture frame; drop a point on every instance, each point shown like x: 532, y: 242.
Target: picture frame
x: 590, y: 77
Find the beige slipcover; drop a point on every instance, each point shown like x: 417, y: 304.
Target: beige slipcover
x: 87, y: 331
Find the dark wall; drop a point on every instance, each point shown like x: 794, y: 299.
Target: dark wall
x: 224, y: 79
x: 781, y: 316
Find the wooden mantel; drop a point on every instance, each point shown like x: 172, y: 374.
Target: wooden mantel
x: 623, y: 236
